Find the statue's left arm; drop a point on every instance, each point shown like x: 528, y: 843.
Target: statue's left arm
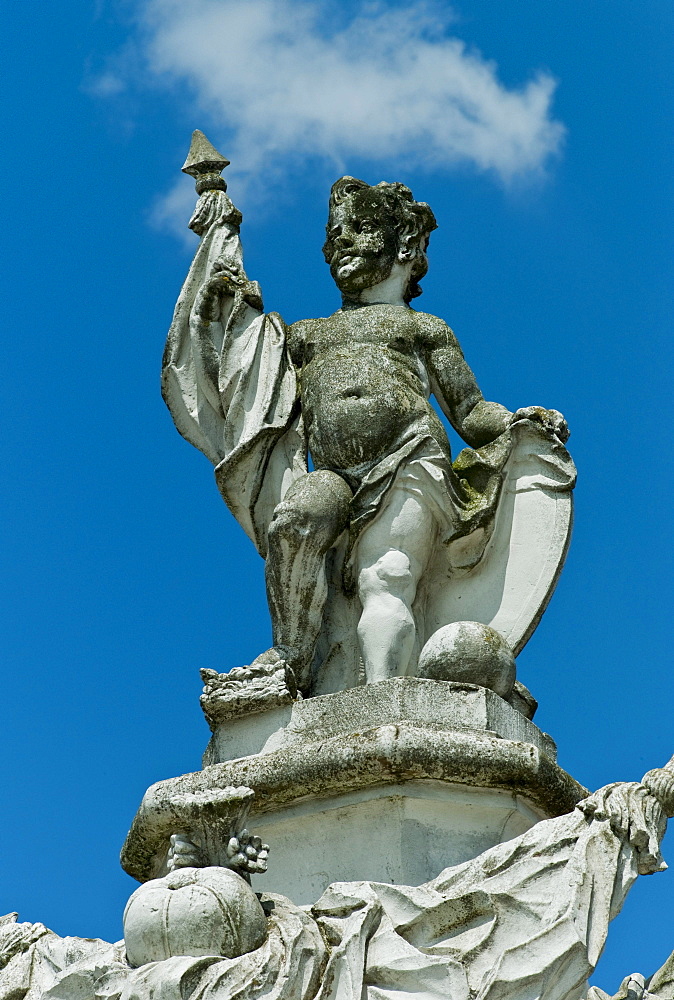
x: 453, y: 384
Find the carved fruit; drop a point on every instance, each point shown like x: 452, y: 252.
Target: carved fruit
x: 193, y: 911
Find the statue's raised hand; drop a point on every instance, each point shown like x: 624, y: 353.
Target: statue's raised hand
x: 224, y: 281
x: 551, y: 421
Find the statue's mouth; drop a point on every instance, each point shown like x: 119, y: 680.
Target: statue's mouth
x: 347, y: 260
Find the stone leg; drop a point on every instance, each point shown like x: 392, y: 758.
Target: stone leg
x: 305, y: 525
x: 392, y: 554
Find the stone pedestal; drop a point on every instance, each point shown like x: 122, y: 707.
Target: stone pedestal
x: 443, y: 705
x: 390, y: 782
x: 404, y: 833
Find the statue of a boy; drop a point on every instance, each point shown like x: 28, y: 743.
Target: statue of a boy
x: 350, y: 545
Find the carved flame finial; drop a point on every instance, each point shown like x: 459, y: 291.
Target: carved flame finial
x: 205, y: 164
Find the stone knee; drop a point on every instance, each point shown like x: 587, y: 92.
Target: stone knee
x: 315, y: 510
x: 391, y: 575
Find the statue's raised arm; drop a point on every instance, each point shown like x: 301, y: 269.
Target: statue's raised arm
x: 387, y: 559
x: 226, y: 374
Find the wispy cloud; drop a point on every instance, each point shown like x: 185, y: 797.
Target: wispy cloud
x: 106, y: 84
x: 287, y: 78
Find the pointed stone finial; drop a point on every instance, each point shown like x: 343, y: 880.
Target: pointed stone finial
x: 205, y: 164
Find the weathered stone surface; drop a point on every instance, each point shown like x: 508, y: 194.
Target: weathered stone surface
x: 193, y: 911
x: 35, y: 962
x: 469, y: 652
x: 400, y: 834
x: 437, y: 704
x: 527, y: 918
x: 209, y: 823
x: 386, y: 540
x: 661, y: 983
x: 388, y: 566
x: 413, y: 819
x: 660, y: 986
x: 246, y: 690
x: 333, y: 763
x: 522, y: 700
x: 288, y: 965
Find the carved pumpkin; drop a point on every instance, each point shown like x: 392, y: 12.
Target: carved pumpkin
x: 193, y: 911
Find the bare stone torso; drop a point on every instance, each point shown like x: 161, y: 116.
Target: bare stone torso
x: 363, y: 382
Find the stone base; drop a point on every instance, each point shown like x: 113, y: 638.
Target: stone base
x: 403, y: 834
x: 442, y: 704
x: 390, y: 782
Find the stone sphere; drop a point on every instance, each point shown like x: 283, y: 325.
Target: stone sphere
x: 471, y: 653
x: 193, y: 911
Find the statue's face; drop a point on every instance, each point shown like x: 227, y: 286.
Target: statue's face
x: 364, y: 248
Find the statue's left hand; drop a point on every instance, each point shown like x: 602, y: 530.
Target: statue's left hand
x: 550, y: 420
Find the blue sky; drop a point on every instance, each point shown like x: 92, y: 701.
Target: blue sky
x: 541, y: 134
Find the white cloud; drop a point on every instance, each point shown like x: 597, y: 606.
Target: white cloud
x: 172, y: 210
x: 106, y: 84
x: 278, y: 83
x: 284, y: 79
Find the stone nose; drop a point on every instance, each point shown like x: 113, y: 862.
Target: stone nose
x: 345, y: 239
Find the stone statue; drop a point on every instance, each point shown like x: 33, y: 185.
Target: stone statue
x: 384, y: 541
x: 424, y: 840
x: 526, y: 919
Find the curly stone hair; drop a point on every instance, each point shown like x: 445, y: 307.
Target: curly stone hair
x: 394, y: 203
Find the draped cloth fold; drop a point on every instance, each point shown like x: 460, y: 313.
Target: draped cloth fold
x: 232, y: 390
x: 525, y: 920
